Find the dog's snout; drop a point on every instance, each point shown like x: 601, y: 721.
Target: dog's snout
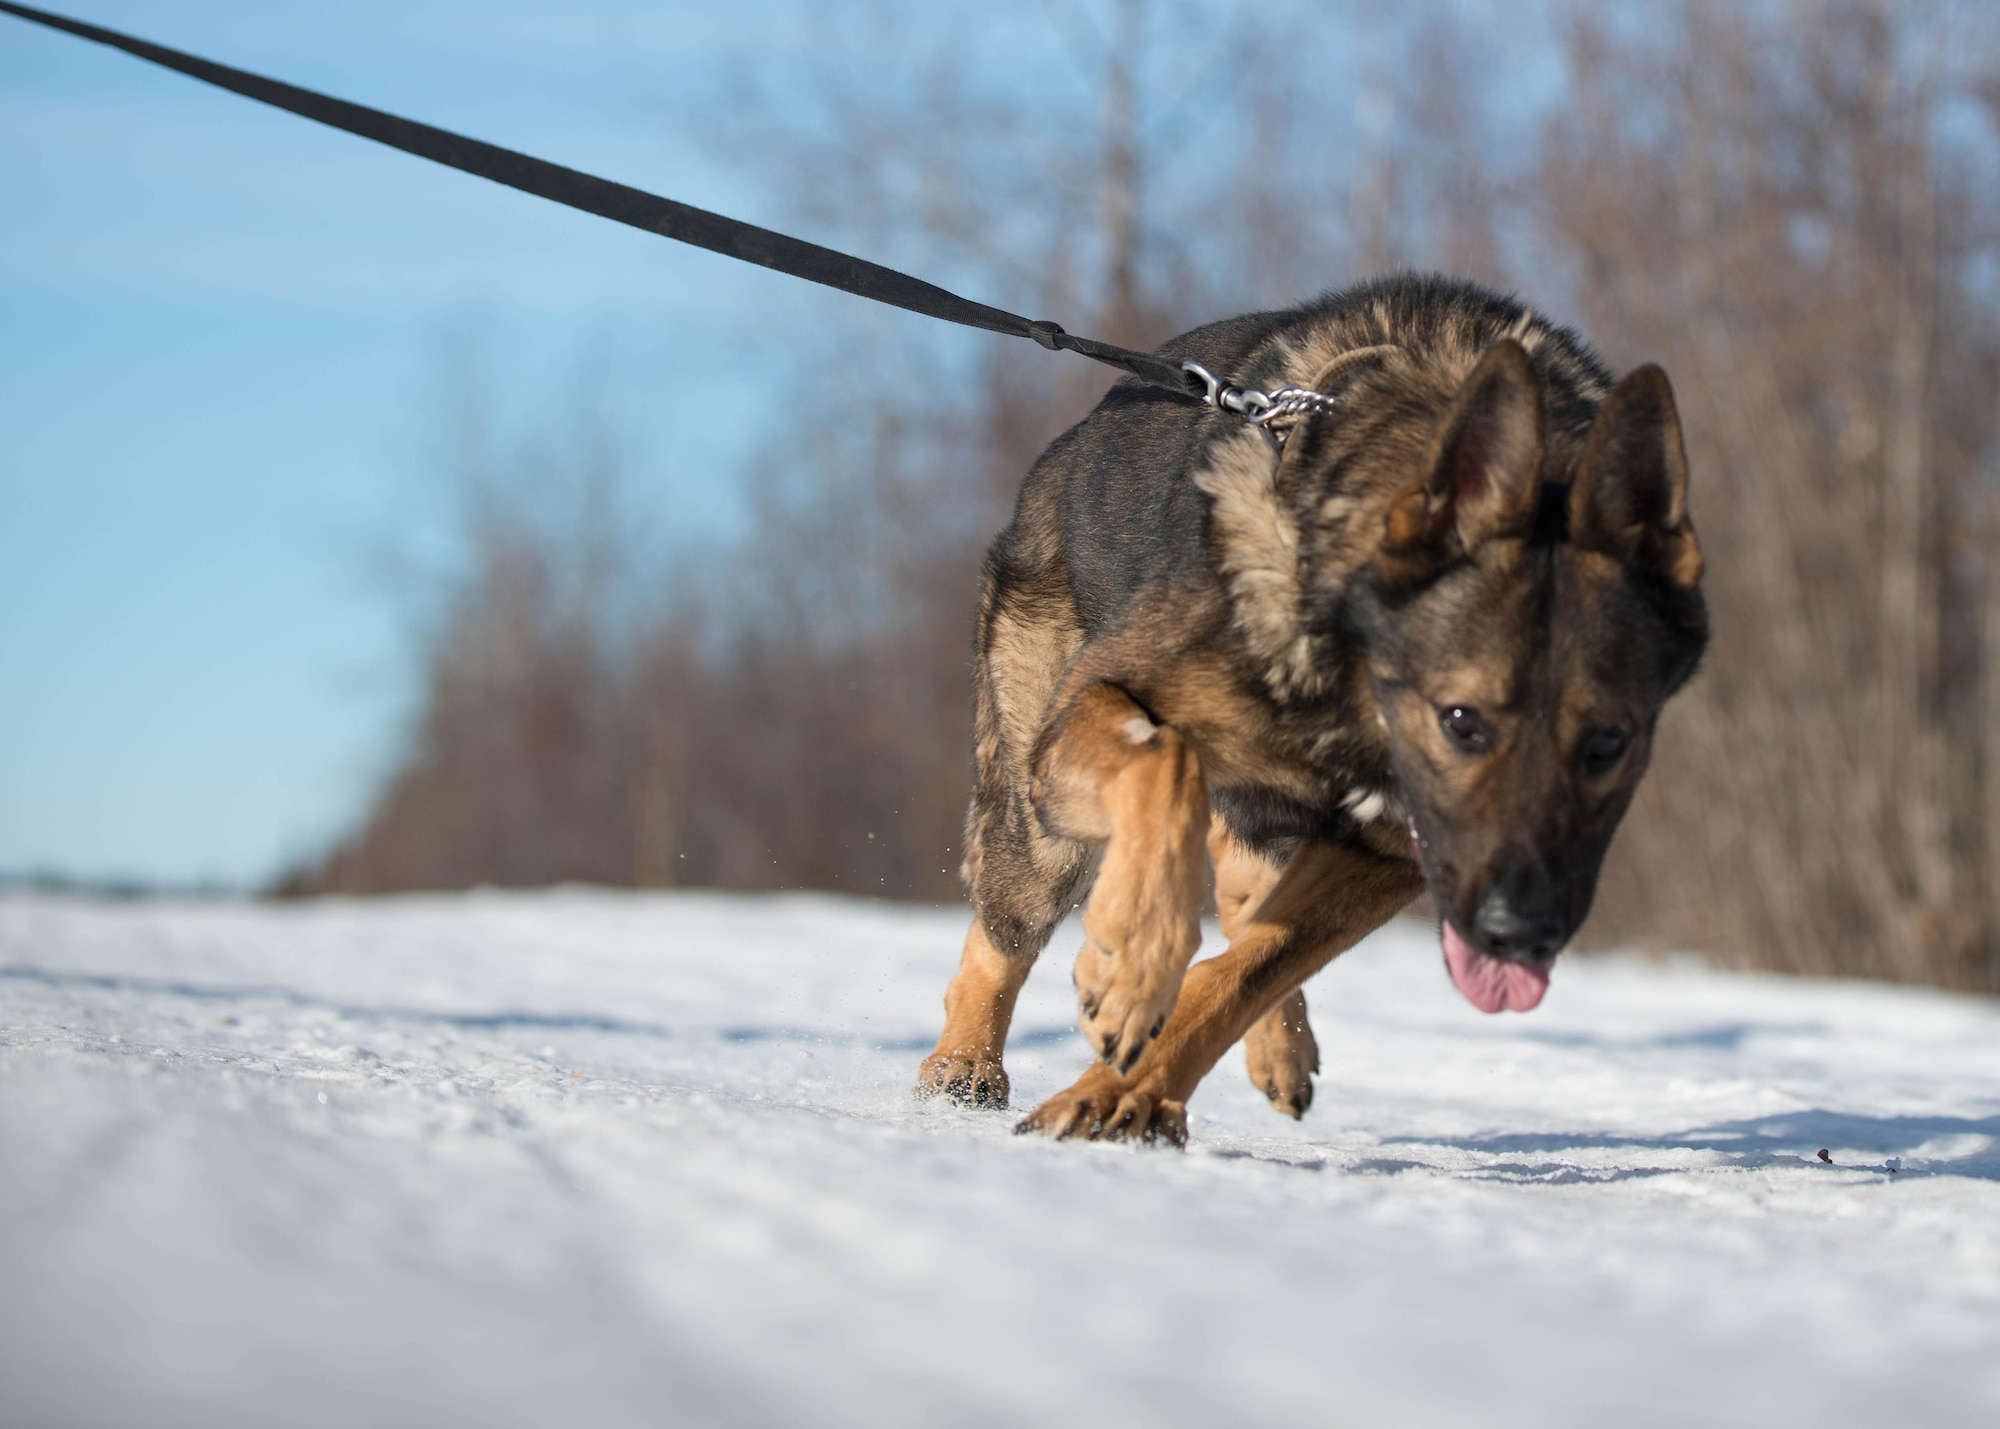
x: 1523, y: 934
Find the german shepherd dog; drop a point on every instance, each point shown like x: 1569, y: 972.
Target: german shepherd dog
x: 1421, y: 639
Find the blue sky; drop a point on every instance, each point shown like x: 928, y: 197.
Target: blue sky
x: 218, y: 324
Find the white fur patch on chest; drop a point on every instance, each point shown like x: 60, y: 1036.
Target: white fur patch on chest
x: 1366, y: 805
x: 1138, y: 729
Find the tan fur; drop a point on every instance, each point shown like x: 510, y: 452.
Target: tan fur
x: 978, y: 1010
x: 1242, y: 878
x: 1028, y: 661
x: 1232, y: 732
x: 1259, y: 544
x: 1282, y: 1056
x: 1112, y: 776
x: 1279, y: 1051
x: 1328, y: 898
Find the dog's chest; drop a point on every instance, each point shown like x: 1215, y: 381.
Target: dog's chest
x: 1350, y: 769
x: 1335, y: 796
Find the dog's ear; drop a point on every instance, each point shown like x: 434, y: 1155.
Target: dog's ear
x: 1480, y: 476
x: 1630, y: 496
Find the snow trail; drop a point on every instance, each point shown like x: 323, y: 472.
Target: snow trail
x: 587, y: 1157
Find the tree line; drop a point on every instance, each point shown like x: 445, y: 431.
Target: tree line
x: 1791, y: 206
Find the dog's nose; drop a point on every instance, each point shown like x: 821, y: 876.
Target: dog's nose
x: 1522, y: 935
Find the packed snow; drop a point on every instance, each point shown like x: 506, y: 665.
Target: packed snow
x: 591, y: 1158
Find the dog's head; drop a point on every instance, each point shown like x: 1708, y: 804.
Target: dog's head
x: 1531, y: 608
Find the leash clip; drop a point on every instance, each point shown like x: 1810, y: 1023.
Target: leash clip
x: 1245, y: 402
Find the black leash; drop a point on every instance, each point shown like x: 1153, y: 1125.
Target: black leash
x: 684, y: 223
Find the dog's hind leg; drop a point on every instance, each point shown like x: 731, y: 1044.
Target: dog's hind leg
x: 978, y: 1009
x: 1282, y: 1055
x: 1022, y: 883
x: 1105, y: 773
x: 1280, y: 1051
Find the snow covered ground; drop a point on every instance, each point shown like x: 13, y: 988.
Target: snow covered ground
x: 597, y: 1159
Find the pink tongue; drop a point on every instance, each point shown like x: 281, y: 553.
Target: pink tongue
x: 1488, y: 983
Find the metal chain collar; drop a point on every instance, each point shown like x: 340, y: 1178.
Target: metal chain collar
x: 1274, y: 411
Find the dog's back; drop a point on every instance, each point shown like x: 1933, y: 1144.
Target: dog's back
x: 1113, y: 498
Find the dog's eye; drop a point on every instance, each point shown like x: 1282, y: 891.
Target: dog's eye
x: 1466, y: 728
x: 1602, y: 749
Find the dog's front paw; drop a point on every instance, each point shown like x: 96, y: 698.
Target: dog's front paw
x: 1122, y: 1000
x: 1282, y: 1056
x: 968, y: 1077
x: 1128, y: 977
x: 1104, y: 1106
